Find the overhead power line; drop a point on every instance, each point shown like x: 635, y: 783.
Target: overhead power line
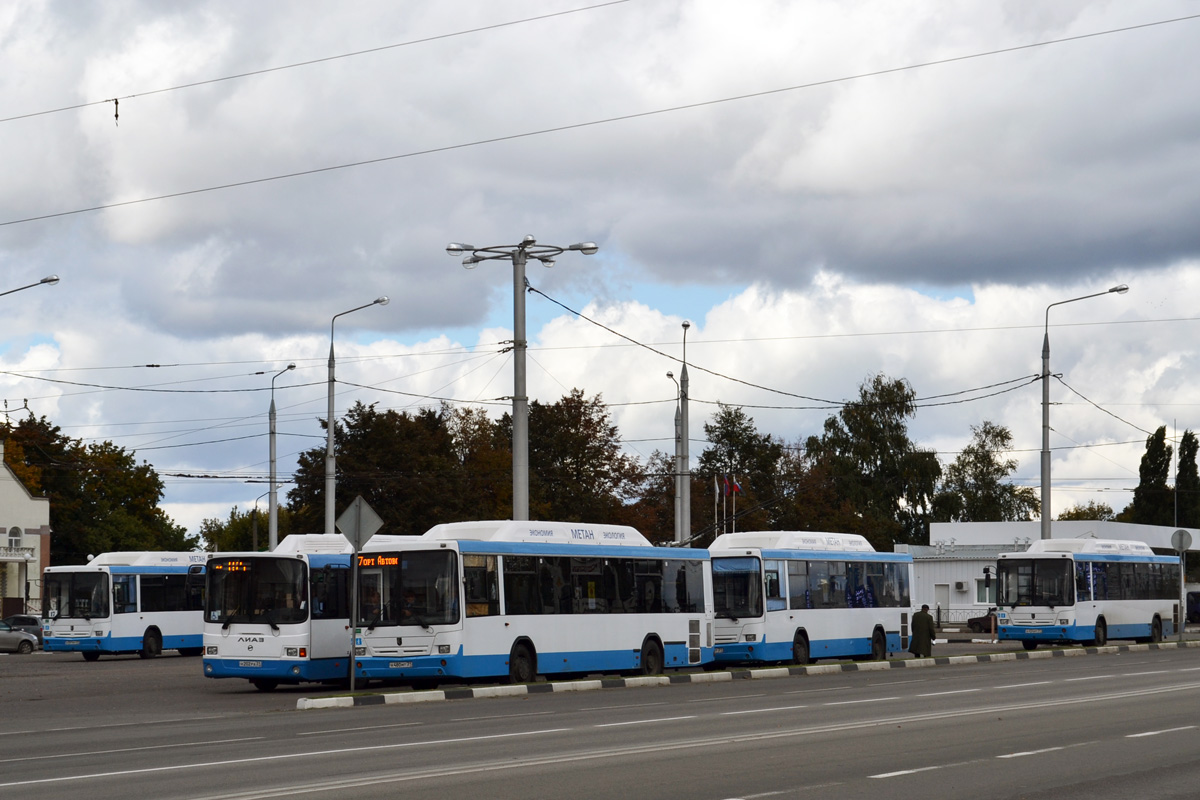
x: 311, y: 62
x: 598, y: 122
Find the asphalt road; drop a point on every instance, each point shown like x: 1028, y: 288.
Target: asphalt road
x: 1097, y: 726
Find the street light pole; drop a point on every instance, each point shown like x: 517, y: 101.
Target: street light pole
x: 49, y: 279
x: 330, y: 459
x: 518, y: 254
x: 1122, y: 289
x: 273, y: 503
x: 678, y: 468
x: 685, y: 471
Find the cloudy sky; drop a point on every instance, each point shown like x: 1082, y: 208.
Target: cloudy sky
x: 825, y: 190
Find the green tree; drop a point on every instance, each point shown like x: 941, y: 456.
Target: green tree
x: 738, y: 451
x: 402, y: 464
x: 101, y: 499
x: 237, y: 533
x: 484, y: 457
x: 1187, y: 482
x: 887, y: 480
x: 1153, y: 499
x: 1089, y: 511
x: 577, y: 471
x: 974, y: 488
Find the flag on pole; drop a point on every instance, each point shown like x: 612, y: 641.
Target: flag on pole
x: 726, y: 479
x: 737, y: 487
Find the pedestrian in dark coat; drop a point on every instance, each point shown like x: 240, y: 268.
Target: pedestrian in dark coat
x: 920, y: 642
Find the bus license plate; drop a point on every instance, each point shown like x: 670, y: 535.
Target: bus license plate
x: 399, y: 665
x: 71, y: 641
x: 1033, y: 630
x: 249, y: 663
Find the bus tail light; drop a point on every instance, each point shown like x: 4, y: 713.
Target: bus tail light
x: 304, y: 652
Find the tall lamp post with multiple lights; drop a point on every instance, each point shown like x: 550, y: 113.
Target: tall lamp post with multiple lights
x: 685, y: 463
x: 1122, y: 289
x: 273, y: 503
x: 330, y: 459
x: 678, y: 470
x: 518, y: 254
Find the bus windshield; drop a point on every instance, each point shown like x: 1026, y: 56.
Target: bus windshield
x: 1036, y: 582
x: 82, y: 595
x: 408, y: 588
x: 270, y: 591
x: 737, y: 587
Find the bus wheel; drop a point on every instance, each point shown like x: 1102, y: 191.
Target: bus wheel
x: 800, y: 650
x: 878, y: 646
x: 151, y: 644
x: 1101, y: 634
x: 521, y: 666
x: 265, y: 684
x: 1029, y: 644
x: 1156, y: 630
x: 652, y: 658
x: 91, y: 656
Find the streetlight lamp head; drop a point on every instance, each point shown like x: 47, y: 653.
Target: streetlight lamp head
x: 686, y: 324
x: 547, y: 262
x: 381, y: 301
x: 670, y: 375
x: 587, y: 248
x: 457, y: 249
x: 290, y: 366
x: 529, y: 239
x: 1122, y: 289
x: 471, y: 261
x: 50, y: 279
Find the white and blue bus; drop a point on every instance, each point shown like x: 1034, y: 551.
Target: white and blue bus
x: 796, y: 596
x: 282, y: 616
x: 1086, y: 591
x: 132, y: 602
x: 517, y: 599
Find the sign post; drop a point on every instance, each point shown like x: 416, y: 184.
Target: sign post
x: 1181, y: 542
x: 358, y: 524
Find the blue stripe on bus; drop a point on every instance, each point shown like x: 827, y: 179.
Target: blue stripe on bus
x: 318, y: 669
x: 115, y: 644
x: 835, y: 555
x: 749, y: 652
x: 496, y: 665
x: 1074, y: 634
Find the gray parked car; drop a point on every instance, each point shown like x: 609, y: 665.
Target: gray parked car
x: 26, y: 622
x: 15, y: 641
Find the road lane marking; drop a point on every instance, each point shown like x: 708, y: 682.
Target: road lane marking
x: 721, y: 699
x: 900, y: 772
x: 1156, y: 733
x: 1023, y: 685
x: 500, y: 716
x: 950, y: 691
x: 129, y: 749
x: 856, y: 702
x: 1089, y: 678
x: 760, y: 710
x: 1031, y: 752
x: 642, y: 721
x: 363, y: 728
x: 281, y: 757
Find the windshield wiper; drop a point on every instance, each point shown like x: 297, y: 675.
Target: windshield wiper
x: 375, y: 621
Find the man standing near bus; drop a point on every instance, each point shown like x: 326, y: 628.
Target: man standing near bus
x: 921, y: 642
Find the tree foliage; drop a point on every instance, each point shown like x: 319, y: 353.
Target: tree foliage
x: 737, y: 450
x: 1153, y: 499
x: 875, y: 468
x: 1187, y: 482
x: 1089, y: 511
x: 101, y: 499
x: 974, y: 488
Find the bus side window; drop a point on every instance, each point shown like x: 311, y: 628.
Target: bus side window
x: 125, y: 594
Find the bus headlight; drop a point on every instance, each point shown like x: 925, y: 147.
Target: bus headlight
x: 360, y: 651
x: 291, y: 652
x: 443, y: 649
x: 210, y: 650
x: 1064, y: 622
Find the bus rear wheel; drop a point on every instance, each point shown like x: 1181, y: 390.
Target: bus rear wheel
x: 1101, y: 634
x: 521, y: 666
x: 800, y: 650
x: 1156, y: 631
x: 652, y: 658
x: 878, y: 647
x: 91, y: 656
x: 151, y: 644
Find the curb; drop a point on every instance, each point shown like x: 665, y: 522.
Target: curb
x: 758, y: 673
